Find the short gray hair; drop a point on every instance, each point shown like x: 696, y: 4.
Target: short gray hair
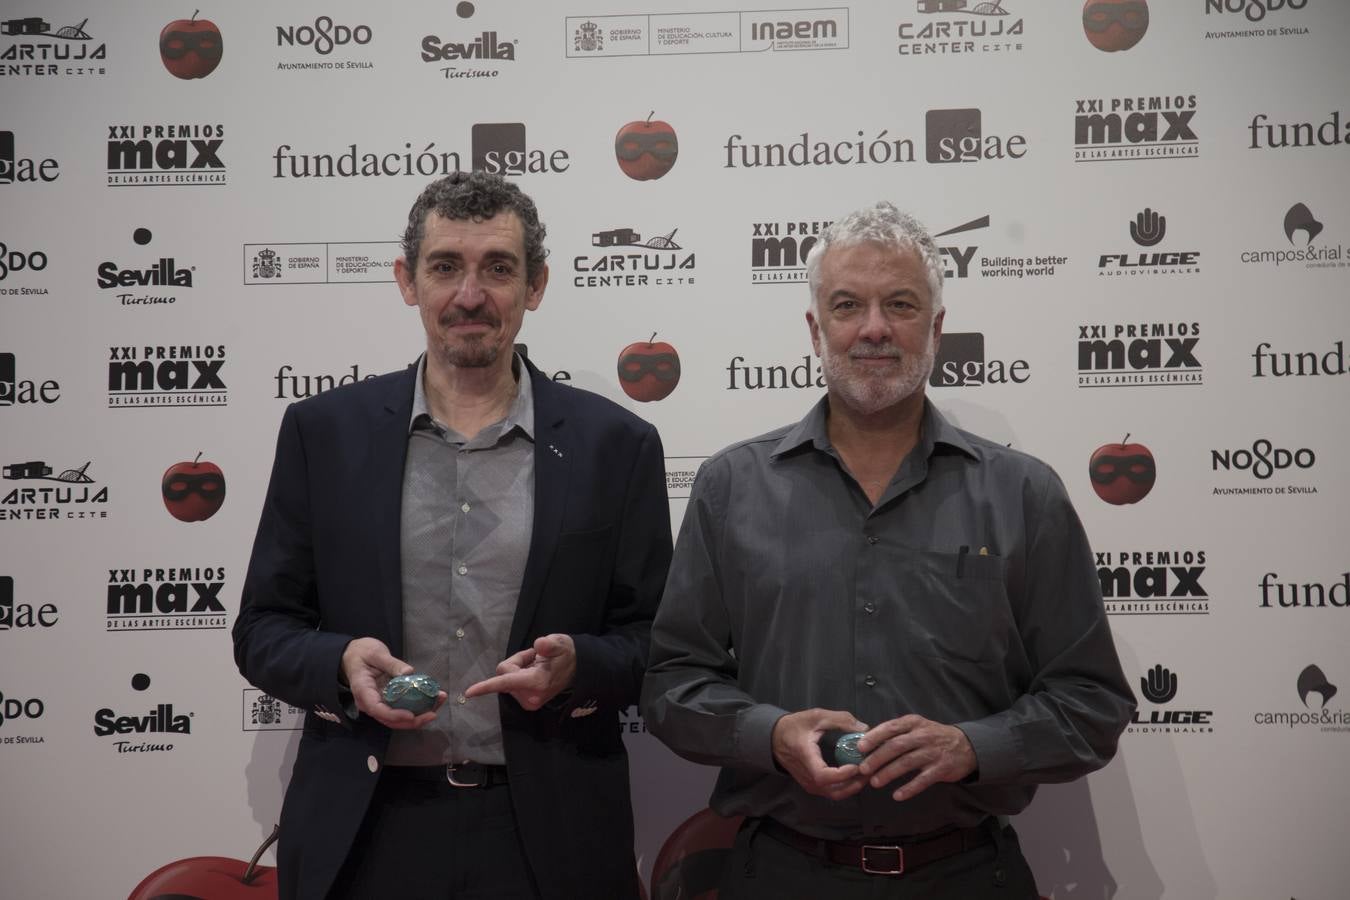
x: 881, y: 223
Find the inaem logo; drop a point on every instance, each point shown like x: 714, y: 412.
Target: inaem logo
x: 1312, y: 681
x: 1112, y: 25
x: 1300, y: 218
x: 1159, y: 685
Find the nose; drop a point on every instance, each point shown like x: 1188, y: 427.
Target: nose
x: 471, y: 294
x: 874, y: 327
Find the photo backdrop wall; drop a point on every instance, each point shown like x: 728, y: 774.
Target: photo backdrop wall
x: 1144, y: 210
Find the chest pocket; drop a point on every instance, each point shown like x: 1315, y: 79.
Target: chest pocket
x: 958, y: 607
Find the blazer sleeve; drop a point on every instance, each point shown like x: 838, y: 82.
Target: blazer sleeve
x: 278, y: 645
x: 611, y: 663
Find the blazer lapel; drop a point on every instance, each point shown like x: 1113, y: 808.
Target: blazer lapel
x: 552, y: 469
x: 384, y: 484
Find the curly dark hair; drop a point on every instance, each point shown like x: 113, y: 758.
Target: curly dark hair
x: 478, y: 196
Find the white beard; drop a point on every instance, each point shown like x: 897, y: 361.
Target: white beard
x: 867, y: 392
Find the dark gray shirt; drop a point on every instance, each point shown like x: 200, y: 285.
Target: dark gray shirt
x: 967, y: 595
x: 468, y: 512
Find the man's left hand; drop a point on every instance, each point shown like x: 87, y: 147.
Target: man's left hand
x: 936, y: 752
x: 533, y: 676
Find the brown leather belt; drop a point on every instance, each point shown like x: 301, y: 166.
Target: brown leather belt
x: 460, y: 775
x: 884, y: 856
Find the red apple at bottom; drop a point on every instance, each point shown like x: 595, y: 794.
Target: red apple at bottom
x: 208, y: 878
x: 1122, y: 473
x: 212, y: 878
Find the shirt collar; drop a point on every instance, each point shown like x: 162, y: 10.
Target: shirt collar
x: 813, y: 430
x: 520, y: 415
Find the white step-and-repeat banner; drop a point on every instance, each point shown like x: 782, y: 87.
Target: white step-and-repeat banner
x: 1144, y: 209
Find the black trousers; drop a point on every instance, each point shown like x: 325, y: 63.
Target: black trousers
x: 428, y: 840
x: 762, y: 868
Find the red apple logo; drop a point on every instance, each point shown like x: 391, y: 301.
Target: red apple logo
x: 1122, y: 473
x: 1113, y: 25
x: 190, y: 48
x: 649, y: 370
x: 193, y: 491
x: 211, y: 878
x: 646, y: 150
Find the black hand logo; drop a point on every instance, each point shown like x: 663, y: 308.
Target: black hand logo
x: 1159, y: 685
x: 1148, y: 228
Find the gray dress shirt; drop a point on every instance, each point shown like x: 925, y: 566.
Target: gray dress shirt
x: 967, y: 595
x: 468, y: 512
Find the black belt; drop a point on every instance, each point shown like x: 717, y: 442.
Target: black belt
x: 882, y: 856
x: 460, y: 775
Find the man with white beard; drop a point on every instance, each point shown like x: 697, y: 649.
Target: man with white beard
x: 885, y: 630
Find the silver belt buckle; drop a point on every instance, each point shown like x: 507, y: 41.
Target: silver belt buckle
x: 899, y: 859
x: 469, y: 768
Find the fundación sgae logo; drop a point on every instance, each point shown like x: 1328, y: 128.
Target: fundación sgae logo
x: 957, y: 136
x: 16, y: 169
x: 18, y: 616
x: 1315, y: 694
x: 24, y: 391
x: 1276, y: 594
x: 961, y: 362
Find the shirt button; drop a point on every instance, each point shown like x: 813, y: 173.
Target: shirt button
x: 372, y: 764
x: 870, y: 681
x: 463, y: 569
x: 465, y: 507
x: 459, y: 633
x: 873, y: 539
x: 461, y: 699
x: 869, y: 607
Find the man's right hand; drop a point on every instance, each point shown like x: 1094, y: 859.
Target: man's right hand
x: 367, y: 665
x: 796, y: 746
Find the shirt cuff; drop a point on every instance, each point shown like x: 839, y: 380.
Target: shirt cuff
x: 998, y: 754
x: 754, y: 736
